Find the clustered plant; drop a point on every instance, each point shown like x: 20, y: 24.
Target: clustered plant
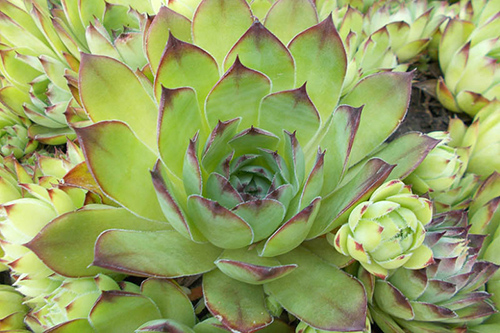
x: 231, y: 166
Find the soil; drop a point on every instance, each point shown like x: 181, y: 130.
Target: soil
x: 425, y: 113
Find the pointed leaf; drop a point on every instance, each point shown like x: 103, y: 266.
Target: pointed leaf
x: 287, y: 18
x: 239, y: 306
x: 292, y: 233
x: 111, y: 91
x: 165, y: 20
x: 246, y: 266
x: 234, y: 17
x: 392, y: 300
x: 217, y: 148
x: 159, y: 253
x: 76, y: 325
x: 164, y: 325
x: 290, y: 110
x: 122, y: 311
x: 219, y: 189
x: 320, y: 61
x: 170, y: 299
x: 260, y: 50
x: 179, y: 120
x: 263, y: 216
x: 337, y: 142
x: 191, y: 172
x: 220, y: 226
x: 74, y: 234
x: 186, y: 65
x: 339, y: 299
x: 237, y: 94
x: 336, y: 206
x: 406, y: 152
x: 120, y: 164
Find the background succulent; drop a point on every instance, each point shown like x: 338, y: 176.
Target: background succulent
x: 447, y: 295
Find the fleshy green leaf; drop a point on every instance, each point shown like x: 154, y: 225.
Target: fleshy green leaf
x: 170, y: 300
x: 337, y: 141
x: 81, y: 325
x: 291, y: 233
x: 120, y: 164
x: 111, y: 91
x: 186, y: 65
x: 74, y: 235
x: 122, y: 311
x: 406, y: 152
x: 164, y: 325
x: 237, y: 94
x: 220, y: 226
x: 385, y: 97
x: 179, y: 121
x: 290, y: 110
x: 339, y: 299
x: 287, y: 18
x: 336, y: 206
x: 260, y: 50
x: 217, y: 36
x: 246, y: 266
x: 165, y: 20
x: 239, y: 306
x: 321, y: 61
x: 159, y: 253
x: 263, y: 216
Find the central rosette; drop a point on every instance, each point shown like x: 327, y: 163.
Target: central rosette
x: 241, y: 191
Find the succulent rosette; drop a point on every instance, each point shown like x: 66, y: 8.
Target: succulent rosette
x: 100, y: 304
x: 30, y: 198
x: 482, y: 139
x: 40, y: 56
x: 411, y: 25
x: 468, y: 57
x: 440, y: 170
x: 223, y: 162
x: 387, y: 231
x: 445, y: 296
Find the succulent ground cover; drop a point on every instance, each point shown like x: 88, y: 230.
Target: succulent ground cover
x: 247, y: 166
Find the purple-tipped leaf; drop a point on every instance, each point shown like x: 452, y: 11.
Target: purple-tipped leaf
x: 339, y: 299
x: 122, y: 311
x: 217, y: 36
x: 337, y: 141
x: 160, y: 253
x: 336, y: 206
x: 74, y: 235
x: 186, y: 65
x: 179, y: 121
x: 166, y: 19
x: 239, y: 306
x: 290, y: 110
x: 119, y: 163
x: 237, y: 94
x: 385, y: 97
x: 220, y: 226
x: 292, y: 233
x: 111, y: 91
x: 247, y: 266
x: 263, y: 216
x: 260, y: 50
x: 287, y: 18
x: 321, y: 61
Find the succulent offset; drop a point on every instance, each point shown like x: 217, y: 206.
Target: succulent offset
x: 387, y: 231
